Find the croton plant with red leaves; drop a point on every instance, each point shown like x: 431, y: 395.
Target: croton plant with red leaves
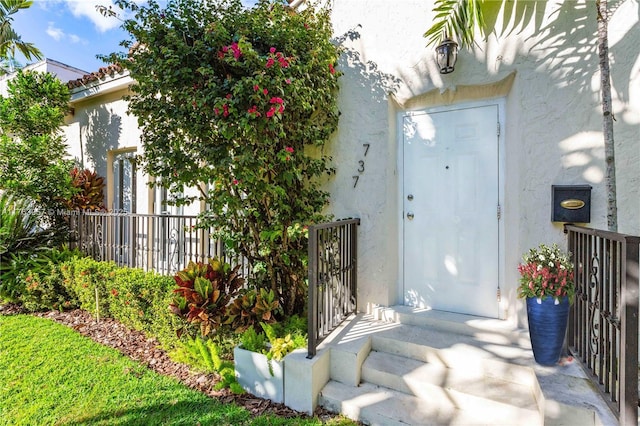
x: 203, y: 294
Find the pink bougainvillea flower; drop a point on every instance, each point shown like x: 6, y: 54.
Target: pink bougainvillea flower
x: 270, y: 63
x: 236, y: 181
x: 331, y: 69
x: 281, y: 109
x: 225, y: 49
x: 265, y: 91
x: 216, y: 111
x: 283, y: 63
x: 276, y: 100
x: 254, y: 110
x: 256, y: 88
x: 271, y: 111
x: 288, y: 81
x: 221, y: 54
x: 289, y: 149
x: 236, y: 50
x: 228, y: 96
x: 225, y: 110
x: 272, y: 50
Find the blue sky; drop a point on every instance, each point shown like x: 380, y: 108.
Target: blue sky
x: 70, y: 31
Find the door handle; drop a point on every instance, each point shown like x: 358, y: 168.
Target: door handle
x: 410, y: 215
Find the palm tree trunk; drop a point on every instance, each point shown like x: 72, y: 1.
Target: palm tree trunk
x: 607, y: 115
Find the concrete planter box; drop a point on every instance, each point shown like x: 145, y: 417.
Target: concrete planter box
x: 252, y: 372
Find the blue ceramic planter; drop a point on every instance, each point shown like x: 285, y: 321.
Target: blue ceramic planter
x: 547, y: 328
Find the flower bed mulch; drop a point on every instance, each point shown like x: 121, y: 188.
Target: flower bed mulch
x: 138, y: 347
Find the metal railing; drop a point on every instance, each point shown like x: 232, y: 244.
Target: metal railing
x: 163, y: 243
x: 333, y: 267
x: 603, y: 322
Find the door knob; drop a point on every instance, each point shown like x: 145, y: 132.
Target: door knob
x: 410, y: 197
x: 410, y: 215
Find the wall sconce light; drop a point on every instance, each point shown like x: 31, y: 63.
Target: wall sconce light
x: 447, y: 55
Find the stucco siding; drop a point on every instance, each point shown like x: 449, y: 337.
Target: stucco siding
x: 552, y: 129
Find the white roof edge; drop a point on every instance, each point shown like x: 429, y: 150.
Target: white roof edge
x: 105, y: 85
x: 34, y: 65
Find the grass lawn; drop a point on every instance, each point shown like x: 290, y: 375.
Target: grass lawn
x: 49, y: 374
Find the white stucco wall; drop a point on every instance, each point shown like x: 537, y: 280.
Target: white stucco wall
x: 553, y: 130
x: 101, y: 125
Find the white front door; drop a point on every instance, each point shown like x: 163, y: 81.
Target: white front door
x: 451, y: 196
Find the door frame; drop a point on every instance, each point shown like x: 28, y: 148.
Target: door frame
x: 501, y: 104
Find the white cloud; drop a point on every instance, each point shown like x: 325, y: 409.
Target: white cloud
x: 55, y: 33
x: 87, y: 9
x: 58, y: 34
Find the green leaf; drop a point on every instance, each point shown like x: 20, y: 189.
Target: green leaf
x: 203, y: 287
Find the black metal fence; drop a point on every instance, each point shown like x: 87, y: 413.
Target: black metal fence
x: 333, y: 249
x: 603, y: 323
x: 166, y: 244
x: 163, y: 243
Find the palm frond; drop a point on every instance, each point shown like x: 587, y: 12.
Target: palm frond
x: 458, y: 19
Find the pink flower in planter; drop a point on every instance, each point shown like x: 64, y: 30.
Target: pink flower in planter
x: 270, y: 63
x: 289, y: 149
x: 272, y: 50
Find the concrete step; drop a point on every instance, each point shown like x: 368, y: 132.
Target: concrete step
x: 467, y: 355
x: 377, y: 405
x: 469, y: 390
x: 486, y: 329
x: 477, y: 367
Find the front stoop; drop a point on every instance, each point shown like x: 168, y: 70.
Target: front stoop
x: 450, y: 369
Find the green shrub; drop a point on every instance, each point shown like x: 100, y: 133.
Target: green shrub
x: 83, y: 277
x: 22, y: 241
x: 44, y: 288
x: 141, y: 300
x: 135, y: 298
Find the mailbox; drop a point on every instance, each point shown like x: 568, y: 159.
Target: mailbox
x: 571, y: 203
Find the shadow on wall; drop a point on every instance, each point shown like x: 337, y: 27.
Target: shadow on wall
x: 559, y: 102
x: 365, y: 74
x: 568, y: 54
x: 100, y: 132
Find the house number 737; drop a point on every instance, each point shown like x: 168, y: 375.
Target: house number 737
x: 360, y: 165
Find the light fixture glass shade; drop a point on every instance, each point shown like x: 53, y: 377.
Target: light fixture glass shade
x: 447, y: 55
